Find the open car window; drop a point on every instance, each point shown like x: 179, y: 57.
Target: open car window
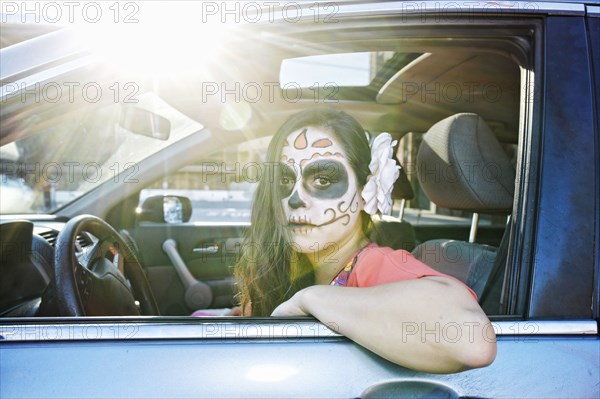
x: 208, y: 144
x: 64, y: 161
x: 221, y: 186
x: 65, y: 156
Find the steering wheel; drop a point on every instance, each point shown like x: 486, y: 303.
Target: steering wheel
x: 107, y: 281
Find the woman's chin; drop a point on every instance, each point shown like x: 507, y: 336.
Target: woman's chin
x: 312, y: 241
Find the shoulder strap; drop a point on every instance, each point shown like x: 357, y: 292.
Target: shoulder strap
x: 342, y: 278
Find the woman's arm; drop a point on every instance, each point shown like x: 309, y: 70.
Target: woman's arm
x: 431, y: 324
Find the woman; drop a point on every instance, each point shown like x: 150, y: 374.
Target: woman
x: 307, y: 252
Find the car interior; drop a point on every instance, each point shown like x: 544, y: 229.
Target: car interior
x: 166, y: 242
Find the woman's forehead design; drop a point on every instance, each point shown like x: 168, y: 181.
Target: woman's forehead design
x: 300, y: 143
x: 304, y: 149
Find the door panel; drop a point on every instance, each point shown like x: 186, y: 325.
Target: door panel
x: 214, y: 268
x: 220, y: 191
x: 293, y: 358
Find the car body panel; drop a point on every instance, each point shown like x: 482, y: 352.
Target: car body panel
x: 565, y: 199
x: 245, y: 360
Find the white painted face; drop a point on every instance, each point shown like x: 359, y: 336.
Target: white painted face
x: 319, y: 190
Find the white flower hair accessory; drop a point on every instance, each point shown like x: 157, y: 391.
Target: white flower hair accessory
x: 377, y: 193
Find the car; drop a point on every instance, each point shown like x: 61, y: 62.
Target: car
x: 132, y: 138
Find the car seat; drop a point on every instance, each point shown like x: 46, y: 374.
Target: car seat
x: 462, y: 166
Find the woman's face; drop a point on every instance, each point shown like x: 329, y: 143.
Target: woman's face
x: 319, y: 191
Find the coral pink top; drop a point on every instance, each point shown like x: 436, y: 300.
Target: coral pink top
x: 374, y: 265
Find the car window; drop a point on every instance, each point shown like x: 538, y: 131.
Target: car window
x: 221, y: 186
x: 43, y: 172
x: 213, y: 110
x: 339, y: 70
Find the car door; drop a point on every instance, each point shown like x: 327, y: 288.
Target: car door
x: 547, y: 321
x: 220, y: 187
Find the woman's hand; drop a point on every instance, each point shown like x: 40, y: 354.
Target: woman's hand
x: 291, y: 307
x: 235, y: 311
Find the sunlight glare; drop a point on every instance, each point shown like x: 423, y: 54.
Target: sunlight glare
x: 162, y: 42
x: 235, y: 116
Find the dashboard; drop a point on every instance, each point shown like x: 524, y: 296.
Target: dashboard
x: 27, y: 266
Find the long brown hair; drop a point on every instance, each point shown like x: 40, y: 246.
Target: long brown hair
x: 269, y: 270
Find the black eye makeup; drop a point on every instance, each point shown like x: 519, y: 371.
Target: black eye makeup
x: 325, y: 179
x: 286, y: 179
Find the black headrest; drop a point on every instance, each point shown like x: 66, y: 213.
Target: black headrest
x: 461, y: 165
x: 402, y: 188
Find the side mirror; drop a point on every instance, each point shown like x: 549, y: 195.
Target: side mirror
x: 146, y: 123
x: 165, y: 209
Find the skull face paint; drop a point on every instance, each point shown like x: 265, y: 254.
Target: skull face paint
x: 318, y: 190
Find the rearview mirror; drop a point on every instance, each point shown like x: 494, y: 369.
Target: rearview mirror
x: 165, y: 209
x: 146, y: 123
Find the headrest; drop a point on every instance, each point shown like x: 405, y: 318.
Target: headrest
x: 402, y: 188
x: 461, y: 165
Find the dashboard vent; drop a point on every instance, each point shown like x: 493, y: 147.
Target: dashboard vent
x: 50, y: 236
x: 84, y: 240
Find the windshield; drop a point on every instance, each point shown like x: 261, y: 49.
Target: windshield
x: 84, y: 149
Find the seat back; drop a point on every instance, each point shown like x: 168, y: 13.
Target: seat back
x: 397, y: 234
x: 462, y: 166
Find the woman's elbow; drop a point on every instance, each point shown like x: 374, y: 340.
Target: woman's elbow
x: 478, y: 343
x: 479, y: 354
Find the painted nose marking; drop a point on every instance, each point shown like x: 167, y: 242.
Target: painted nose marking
x: 295, y: 201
